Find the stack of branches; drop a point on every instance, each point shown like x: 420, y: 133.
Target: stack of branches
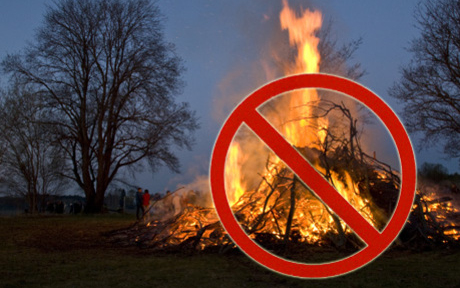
x: 282, y: 209
x: 195, y: 228
x: 434, y: 220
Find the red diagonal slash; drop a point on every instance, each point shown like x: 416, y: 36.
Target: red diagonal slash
x: 311, y: 177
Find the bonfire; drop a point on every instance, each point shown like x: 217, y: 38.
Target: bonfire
x: 270, y: 202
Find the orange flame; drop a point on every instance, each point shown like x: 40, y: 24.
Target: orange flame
x: 302, y: 35
x: 235, y: 186
x: 302, y: 31
x: 301, y: 129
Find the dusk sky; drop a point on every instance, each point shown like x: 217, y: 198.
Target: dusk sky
x: 220, y: 39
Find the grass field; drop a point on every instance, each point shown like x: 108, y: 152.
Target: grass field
x: 71, y: 251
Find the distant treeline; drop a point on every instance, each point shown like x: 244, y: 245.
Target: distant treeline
x: 53, y: 204
x: 65, y: 204
x: 437, y: 173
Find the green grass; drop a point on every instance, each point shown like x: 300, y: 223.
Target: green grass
x: 71, y: 251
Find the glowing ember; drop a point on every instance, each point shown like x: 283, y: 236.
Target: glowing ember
x: 440, y: 212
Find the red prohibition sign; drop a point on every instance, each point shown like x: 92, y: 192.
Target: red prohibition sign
x: 376, y: 241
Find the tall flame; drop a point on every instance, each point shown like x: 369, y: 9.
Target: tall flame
x: 302, y: 35
x: 302, y: 29
x: 302, y: 129
x: 297, y: 127
x: 233, y: 177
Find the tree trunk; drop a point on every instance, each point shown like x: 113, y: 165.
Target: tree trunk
x: 94, y: 203
x: 95, y: 199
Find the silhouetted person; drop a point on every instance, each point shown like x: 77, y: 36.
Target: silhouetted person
x: 60, y: 207
x: 139, y: 207
x: 122, y: 200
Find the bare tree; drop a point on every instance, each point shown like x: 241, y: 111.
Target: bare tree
x: 337, y: 58
x: 32, y: 164
x: 430, y: 85
x: 108, y: 82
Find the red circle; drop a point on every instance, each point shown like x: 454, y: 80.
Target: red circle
x: 378, y: 244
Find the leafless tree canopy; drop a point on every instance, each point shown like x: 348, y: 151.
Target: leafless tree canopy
x: 430, y: 85
x: 32, y: 164
x: 337, y: 59
x: 107, y: 80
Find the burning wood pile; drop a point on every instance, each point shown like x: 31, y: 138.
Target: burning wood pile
x: 282, y: 210
x: 177, y: 221
x: 435, y: 220
x: 270, y: 202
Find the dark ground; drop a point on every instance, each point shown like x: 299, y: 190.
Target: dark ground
x: 72, y: 251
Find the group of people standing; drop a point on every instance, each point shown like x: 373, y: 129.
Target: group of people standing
x: 142, y: 202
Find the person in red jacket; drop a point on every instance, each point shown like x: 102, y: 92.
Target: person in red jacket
x: 146, y: 199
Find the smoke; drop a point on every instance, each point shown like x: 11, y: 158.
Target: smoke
x: 254, y: 61
x: 196, y: 193
x: 194, y: 179
x: 201, y: 189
